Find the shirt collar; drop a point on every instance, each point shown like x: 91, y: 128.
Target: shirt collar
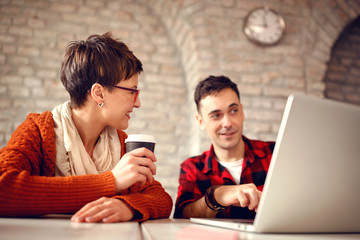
x: 252, y: 152
x: 210, y: 161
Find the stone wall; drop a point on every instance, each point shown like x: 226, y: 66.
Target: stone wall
x: 179, y: 43
x: 342, y: 78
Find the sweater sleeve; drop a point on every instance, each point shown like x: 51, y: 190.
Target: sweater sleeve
x: 150, y: 201
x: 27, y: 182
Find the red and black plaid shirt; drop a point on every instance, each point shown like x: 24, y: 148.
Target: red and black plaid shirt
x: 201, y: 172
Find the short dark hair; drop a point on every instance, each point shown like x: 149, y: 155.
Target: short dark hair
x: 212, y: 85
x: 100, y: 59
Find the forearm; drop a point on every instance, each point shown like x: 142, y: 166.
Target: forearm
x: 150, y: 201
x: 198, y: 209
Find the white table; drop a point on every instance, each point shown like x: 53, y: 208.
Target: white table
x: 180, y: 229
x: 60, y: 227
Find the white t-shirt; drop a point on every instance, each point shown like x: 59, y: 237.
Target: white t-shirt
x: 234, y: 168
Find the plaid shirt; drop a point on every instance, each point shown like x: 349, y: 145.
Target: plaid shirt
x: 201, y: 172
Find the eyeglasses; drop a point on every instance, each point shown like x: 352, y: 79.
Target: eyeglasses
x: 135, y: 92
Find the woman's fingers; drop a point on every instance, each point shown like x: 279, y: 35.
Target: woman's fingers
x: 143, y: 152
x: 105, y: 210
x: 135, y: 166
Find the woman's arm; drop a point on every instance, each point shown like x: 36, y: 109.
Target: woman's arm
x: 27, y: 182
x: 149, y: 202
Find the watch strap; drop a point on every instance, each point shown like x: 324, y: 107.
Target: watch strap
x: 211, y: 201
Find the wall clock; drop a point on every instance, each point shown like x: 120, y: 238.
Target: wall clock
x: 264, y: 26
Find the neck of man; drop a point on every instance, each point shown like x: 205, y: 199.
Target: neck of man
x: 230, y: 154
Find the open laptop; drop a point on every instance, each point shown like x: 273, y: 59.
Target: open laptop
x: 313, y: 182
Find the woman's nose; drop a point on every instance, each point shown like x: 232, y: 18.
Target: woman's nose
x: 137, y: 103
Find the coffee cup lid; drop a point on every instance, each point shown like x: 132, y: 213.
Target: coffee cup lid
x: 140, y: 138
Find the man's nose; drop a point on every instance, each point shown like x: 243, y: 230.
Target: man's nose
x: 226, y: 121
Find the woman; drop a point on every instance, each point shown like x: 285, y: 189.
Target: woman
x: 72, y: 160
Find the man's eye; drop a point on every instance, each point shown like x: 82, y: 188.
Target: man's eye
x: 214, y: 116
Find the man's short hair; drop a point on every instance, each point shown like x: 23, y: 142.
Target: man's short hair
x: 212, y: 85
x: 100, y: 59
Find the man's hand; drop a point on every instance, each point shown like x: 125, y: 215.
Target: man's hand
x: 244, y: 195
x: 136, y: 166
x: 106, y: 210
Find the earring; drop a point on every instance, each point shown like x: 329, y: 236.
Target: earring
x: 101, y: 104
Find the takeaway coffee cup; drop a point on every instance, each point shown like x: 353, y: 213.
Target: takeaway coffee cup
x: 134, y: 141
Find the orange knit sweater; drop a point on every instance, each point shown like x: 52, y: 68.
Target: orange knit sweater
x: 28, y: 185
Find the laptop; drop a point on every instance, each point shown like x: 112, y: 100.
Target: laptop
x: 313, y: 182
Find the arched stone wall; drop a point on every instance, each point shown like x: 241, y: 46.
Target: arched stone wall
x: 265, y: 75
x: 327, y: 21
x: 176, y: 16
x: 342, y: 77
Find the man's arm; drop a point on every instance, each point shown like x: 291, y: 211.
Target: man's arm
x: 245, y: 195
x: 198, y: 209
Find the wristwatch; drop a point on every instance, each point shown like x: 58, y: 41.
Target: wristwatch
x: 211, y: 201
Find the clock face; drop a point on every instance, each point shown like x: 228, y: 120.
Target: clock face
x: 264, y: 26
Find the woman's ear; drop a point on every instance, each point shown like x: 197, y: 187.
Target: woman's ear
x: 97, y: 93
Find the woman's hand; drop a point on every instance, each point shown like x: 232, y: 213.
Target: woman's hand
x: 106, y: 210
x: 136, y: 166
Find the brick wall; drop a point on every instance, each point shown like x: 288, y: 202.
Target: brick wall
x: 342, y: 78
x: 179, y: 42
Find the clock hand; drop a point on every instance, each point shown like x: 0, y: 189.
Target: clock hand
x: 266, y: 11
x: 264, y: 21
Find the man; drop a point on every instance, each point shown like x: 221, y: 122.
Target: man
x: 227, y: 180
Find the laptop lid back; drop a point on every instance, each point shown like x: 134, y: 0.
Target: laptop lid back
x: 313, y: 180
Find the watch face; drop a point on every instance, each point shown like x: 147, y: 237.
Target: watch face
x: 264, y: 25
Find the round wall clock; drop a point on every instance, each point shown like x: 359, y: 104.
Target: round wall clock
x: 264, y: 26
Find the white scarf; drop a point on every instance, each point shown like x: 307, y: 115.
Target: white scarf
x: 71, y: 156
